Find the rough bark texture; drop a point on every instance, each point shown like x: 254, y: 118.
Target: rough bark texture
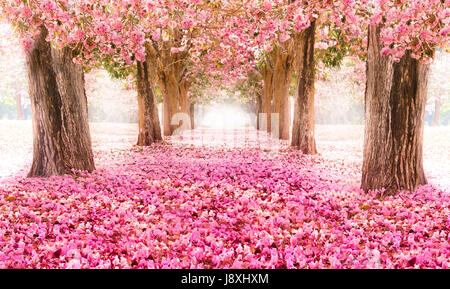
x: 184, y: 96
x: 395, y: 109
x: 185, y: 102
x: 61, y: 137
x: 267, y: 97
x: 303, y: 129
x: 283, y: 65
x: 171, y: 100
x: 176, y: 100
x: 149, y: 125
x: 171, y: 73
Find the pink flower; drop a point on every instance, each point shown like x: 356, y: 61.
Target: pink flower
x: 267, y: 5
x: 74, y: 264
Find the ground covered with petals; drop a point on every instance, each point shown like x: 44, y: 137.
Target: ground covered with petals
x: 216, y: 199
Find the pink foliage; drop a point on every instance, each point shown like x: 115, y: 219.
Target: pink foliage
x: 225, y: 38
x: 184, y: 205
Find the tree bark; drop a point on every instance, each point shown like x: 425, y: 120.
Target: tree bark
x: 185, y: 103
x: 175, y: 92
x: 149, y: 125
x: 283, y: 64
x: 396, y: 94
x: 171, y: 72
x: 437, y: 111
x: 19, y: 106
x: 303, y: 129
x: 61, y: 136
x: 171, y: 101
x: 259, y: 110
x: 267, y: 97
x: 184, y: 96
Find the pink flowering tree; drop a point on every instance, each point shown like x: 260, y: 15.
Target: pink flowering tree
x: 171, y: 44
x: 278, y: 28
x: 178, y: 41
x: 56, y: 85
x: 200, y: 38
x: 292, y: 36
x: 163, y: 41
x: 403, y: 36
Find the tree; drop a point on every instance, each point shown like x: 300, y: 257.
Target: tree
x: 395, y: 109
x: 287, y: 32
x: 282, y: 62
x: 325, y: 40
x: 60, y: 121
x: 172, y: 74
x: 396, y: 92
x: 303, y: 129
x: 267, y: 72
x: 275, y: 28
x: 61, y: 137
x: 148, y: 119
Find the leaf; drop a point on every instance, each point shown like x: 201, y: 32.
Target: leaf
x: 10, y: 199
x: 364, y: 207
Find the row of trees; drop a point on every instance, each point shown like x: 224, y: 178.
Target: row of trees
x: 178, y: 44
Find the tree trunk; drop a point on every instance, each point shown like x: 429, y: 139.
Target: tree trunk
x: 19, y: 106
x: 283, y: 60
x: 149, y: 126
x: 396, y: 94
x: 303, y: 129
x: 259, y: 110
x: 192, y: 114
x: 267, y: 97
x: 170, y: 98
x: 171, y: 71
x: 175, y: 101
x: 61, y: 137
x: 184, y: 96
x: 166, y: 113
x: 185, y: 103
x: 437, y: 111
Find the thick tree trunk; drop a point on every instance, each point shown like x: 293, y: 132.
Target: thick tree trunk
x: 61, y: 134
x: 184, y: 96
x: 176, y: 100
x: 396, y: 96
x: 283, y: 60
x: 267, y: 97
x: 170, y: 99
x: 171, y: 71
x: 19, y: 106
x: 172, y: 102
x: 185, y: 103
x: 437, y: 111
x: 149, y: 125
x: 303, y: 130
